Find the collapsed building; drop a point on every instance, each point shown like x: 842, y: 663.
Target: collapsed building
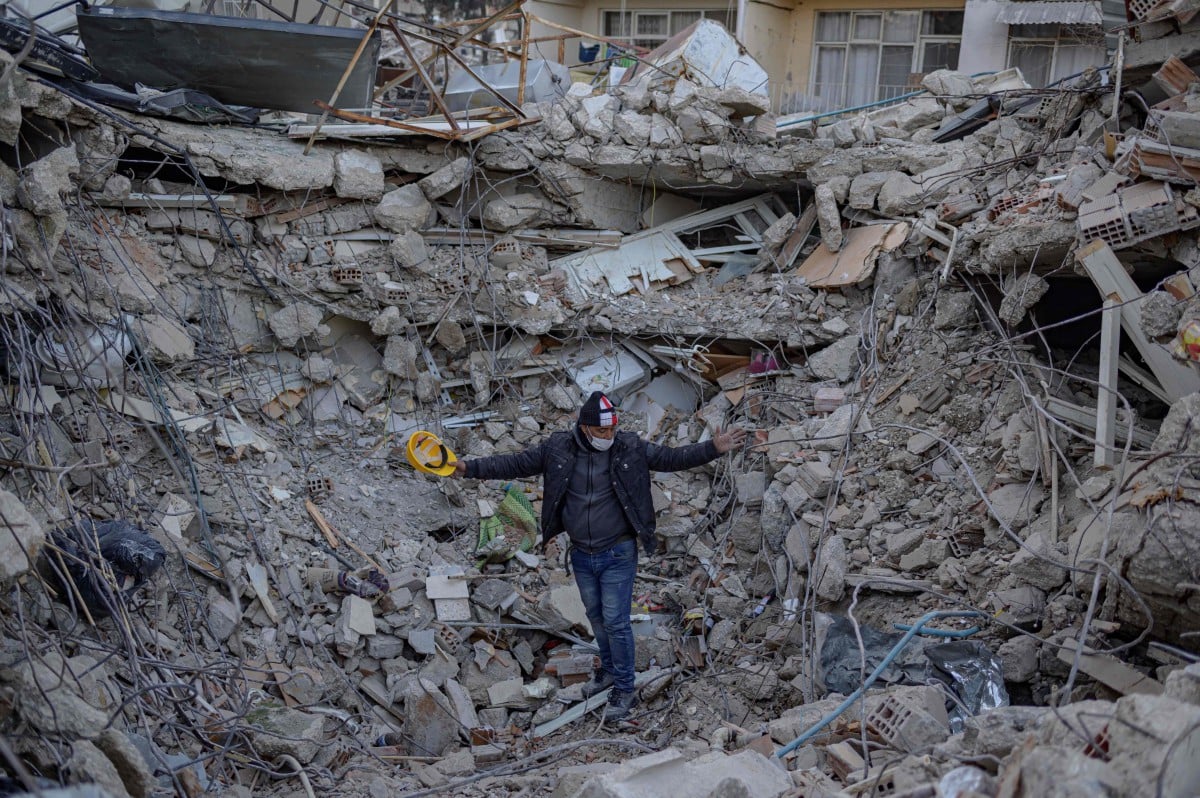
x: 956, y: 557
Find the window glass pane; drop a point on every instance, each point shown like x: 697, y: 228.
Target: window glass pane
x: 894, y: 69
x: 651, y: 24
x: 862, y: 74
x: 833, y: 26
x: 866, y: 27
x: 612, y: 24
x: 940, y: 55
x: 726, y: 18
x: 942, y: 23
x: 1033, y: 60
x: 900, y: 26
x: 829, y: 85
x: 681, y: 19
x: 1033, y: 31
x: 1073, y: 59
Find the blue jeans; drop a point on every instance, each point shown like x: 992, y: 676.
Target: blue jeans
x: 605, y: 581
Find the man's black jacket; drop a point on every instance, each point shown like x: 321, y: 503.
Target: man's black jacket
x: 630, y: 465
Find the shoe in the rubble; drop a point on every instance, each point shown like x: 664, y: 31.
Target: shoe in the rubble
x: 599, y: 682
x: 619, y: 704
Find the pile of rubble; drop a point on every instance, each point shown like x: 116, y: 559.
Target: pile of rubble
x: 919, y: 311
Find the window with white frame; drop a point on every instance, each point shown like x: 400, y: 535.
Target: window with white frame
x: 649, y: 29
x: 864, y: 56
x: 1048, y: 53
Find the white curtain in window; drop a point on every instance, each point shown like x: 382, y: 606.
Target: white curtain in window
x: 1074, y: 58
x: 1034, y: 60
x: 833, y: 26
x: 900, y: 26
x: 862, y: 74
x: 829, y: 87
x: 867, y: 27
x: 681, y: 19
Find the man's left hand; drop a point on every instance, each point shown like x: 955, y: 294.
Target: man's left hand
x: 729, y: 439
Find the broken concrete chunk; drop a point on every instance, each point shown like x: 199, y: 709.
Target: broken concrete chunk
x: 403, y: 209
x: 519, y: 210
x: 358, y: 615
x: 400, y: 358
x: 295, y: 321
x: 279, y: 731
x: 900, y: 195
x: 865, y: 188
x: 830, y: 569
x: 131, y: 766
x: 430, y: 723
x: 88, y: 765
x: 838, y: 361
x: 408, y: 249
x: 22, y: 538
x: 954, y: 309
x: 47, y: 180
x: 1025, y: 292
x: 450, y: 177
x: 1160, y: 314
x: 357, y: 175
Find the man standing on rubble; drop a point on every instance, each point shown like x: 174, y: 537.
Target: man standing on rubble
x: 597, y: 487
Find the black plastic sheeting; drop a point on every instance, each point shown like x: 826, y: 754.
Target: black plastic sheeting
x: 187, y: 105
x: 969, y: 670
x: 259, y: 63
x: 131, y: 554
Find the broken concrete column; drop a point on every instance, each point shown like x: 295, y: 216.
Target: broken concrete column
x: 403, y: 209
x: 829, y: 218
x: 357, y: 175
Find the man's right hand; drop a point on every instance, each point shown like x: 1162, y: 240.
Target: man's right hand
x: 460, y: 469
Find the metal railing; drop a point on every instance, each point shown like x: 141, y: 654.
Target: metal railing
x: 822, y: 98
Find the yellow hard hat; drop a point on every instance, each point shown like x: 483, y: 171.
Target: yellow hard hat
x: 426, y: 452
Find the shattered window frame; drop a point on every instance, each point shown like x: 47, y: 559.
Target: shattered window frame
x: 1059, y: 39
x: 612, y: 25
x: 851, y: 36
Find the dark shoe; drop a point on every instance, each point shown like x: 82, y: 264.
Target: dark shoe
x: 619, y: 704
x: 598, y: 683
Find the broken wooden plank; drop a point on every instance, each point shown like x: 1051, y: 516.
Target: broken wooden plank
x: 1109, y: 670
x: 318, y: 518
x: 1101, y: 264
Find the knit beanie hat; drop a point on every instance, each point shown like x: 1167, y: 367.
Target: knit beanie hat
x: 598, y: 411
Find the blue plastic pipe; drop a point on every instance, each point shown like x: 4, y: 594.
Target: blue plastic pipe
x: 875, y: 674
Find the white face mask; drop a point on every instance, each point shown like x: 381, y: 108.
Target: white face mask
x: 600, y: 444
